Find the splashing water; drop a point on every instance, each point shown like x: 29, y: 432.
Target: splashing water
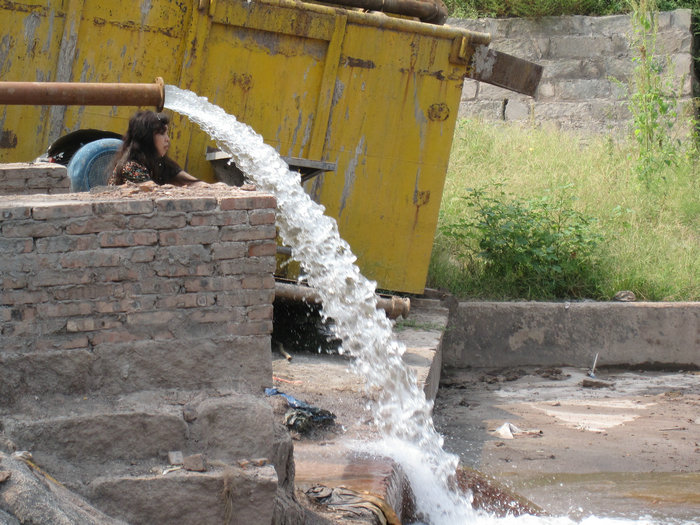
x: 402, y: 415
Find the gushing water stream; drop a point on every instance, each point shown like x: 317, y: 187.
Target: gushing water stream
x: 402, y: 414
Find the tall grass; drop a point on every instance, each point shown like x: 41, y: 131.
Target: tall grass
x: 650, y: 237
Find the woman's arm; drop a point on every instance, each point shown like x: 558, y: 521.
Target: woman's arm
x: 185, y: 179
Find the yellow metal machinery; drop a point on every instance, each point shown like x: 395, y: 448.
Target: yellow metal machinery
x: 373, y: 94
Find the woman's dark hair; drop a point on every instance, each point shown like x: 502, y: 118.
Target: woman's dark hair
x: 138, y: 142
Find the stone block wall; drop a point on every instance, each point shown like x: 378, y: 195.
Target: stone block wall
x: 588, y: 62
x: 28, y: 178
x: 122, y: 292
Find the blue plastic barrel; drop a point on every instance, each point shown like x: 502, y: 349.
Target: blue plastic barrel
x: 90, y: 164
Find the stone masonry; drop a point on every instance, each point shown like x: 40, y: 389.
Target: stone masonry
x: 135, y: 323
x: 88, y: 284
x: 588, y: 63
x: 40, y: 178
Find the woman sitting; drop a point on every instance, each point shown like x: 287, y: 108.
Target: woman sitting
x: 142, y: 156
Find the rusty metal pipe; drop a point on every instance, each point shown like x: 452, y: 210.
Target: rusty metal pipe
x: 83, y: 94
x: 429, y: 11
x: 393, y: 306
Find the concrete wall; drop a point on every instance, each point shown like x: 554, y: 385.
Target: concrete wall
x: 25, y: 179
x: 582, y: 58
x: 495, y: 334
x: 91, y: 282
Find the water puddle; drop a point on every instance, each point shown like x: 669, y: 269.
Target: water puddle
x: 402, y: 414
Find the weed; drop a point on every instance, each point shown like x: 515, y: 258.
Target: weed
x: 539, y: 246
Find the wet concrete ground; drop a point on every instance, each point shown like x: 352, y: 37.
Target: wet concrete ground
x: 628, y: 449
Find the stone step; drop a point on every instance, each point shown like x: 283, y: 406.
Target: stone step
x: 226, y: 494
x: 239, y: 362
x: 226, y: 426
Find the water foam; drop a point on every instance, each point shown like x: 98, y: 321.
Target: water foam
x: 402, y: 413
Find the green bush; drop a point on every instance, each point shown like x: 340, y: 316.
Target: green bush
x: 534, y: 248
x: 539, y: 8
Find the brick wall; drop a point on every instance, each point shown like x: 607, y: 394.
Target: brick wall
x: 29, y: 178
x: 587, y: 63
x: 122, y: 292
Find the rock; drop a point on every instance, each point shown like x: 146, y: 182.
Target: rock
x: 195, y: 463
x: 625, y: 296
x: 175, y: 457
x: 592, y: 383
x: 189, y: 413
x: 29, y: 496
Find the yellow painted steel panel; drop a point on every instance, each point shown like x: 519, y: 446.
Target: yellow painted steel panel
x: 31, y: 35
x: 375, y: 94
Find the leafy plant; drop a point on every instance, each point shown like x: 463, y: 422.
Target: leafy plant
x: 538, y: 247
x: 653, y: 99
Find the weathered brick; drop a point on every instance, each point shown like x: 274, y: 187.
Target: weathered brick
x: 140, y: 255
x: 258, y: 217
x: 114, y: 336
x: 191, y: 235
x: 25, y: 262
x: 67, y: 243
x: 248, y: 202
x: 166, y: 269
x: 185, y: 254
x: 219, y: 218
x: 14, y: 280
x: 61, y: 210
x: 209, y: 315
x: 228, y: 250
x: 186, y: 204
x: 251, y: 328
x: 91, y: 324
x: 83, y: 225
x: 5, y: 313
x: 65, y: 309
x: 123, y: 207
x: 246, y: 233
x: 23, y: 297
x: 30, y: 229
x: 128, y: 238
x: 149, y: 318
x: 248, y: 265
x: 50, y: 277
x: 15, y: 212
x: 157, y: 222
x: 259, y: 313
x: 10, y: 246
x: 256, y: 249
x: 186, y: 300
x: 154, y: 285
x: 211, y: 284
x: 145, y: 302
x: 245, y: 298
x: 23, y: 313
x: 93, y: 258
x: 91, y: 291
x: 124, y: 273
x: 62, y: 342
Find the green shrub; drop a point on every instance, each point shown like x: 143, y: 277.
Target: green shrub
x: 539, y: 8
x: 535, y: 248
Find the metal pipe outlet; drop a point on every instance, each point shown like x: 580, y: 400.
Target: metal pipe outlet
x: 393, y: 306
x: 83, y: 94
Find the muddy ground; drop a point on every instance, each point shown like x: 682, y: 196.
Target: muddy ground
x: 627, y: 446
